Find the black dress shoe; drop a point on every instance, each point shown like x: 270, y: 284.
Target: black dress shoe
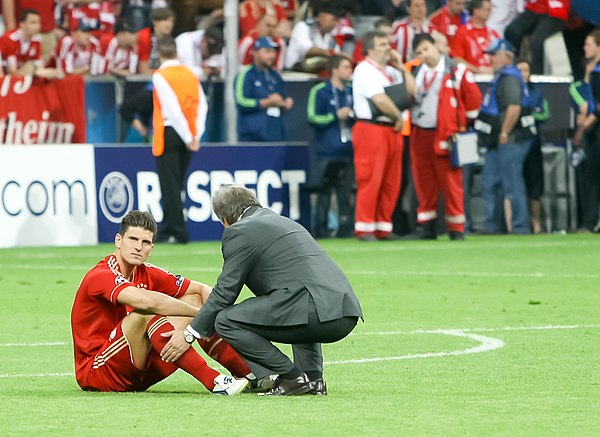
x: 320, y: 387
x: 291, y: 387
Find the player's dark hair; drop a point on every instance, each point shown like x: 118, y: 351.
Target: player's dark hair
x: 26, y: 13
x: 230, y: 202
x: 419, y: 38
x: 167, y: 49
x: 335, y: 61
x: 138, y: 219
x: 160, y: 14
x: 369, y: 40
x: 476, y: 4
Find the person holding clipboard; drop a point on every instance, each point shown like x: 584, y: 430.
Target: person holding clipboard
x: 380, y: 93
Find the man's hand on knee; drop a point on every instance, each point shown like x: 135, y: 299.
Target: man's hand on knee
x: 176, y: 346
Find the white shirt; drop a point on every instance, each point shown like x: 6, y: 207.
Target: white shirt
x: 503, y: 12
x: 188, y: 52
x: 369, y: 80
x: 429, y: 84
x: 171, y: 110
x: 305, y: 36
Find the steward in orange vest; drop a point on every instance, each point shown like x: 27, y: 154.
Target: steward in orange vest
x: 179, y: 122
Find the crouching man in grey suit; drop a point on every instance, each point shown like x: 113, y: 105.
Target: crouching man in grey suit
x: 302, y: 296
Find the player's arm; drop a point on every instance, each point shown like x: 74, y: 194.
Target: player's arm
x: 152, y: 302
x: 199, y: 289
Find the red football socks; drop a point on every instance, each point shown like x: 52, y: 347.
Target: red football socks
x: 222, y: 352
x: 190, y: 361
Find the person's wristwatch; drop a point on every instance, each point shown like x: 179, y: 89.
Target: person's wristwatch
x: 188, y: 336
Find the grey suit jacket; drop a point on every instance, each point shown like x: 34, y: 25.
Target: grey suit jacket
x: 280, y: 262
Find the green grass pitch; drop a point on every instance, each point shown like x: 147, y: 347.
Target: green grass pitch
x: 491, y: 336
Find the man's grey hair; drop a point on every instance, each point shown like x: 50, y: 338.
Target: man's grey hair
x: 231, y: 200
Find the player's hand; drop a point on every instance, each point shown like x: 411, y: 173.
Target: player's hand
x: 176, y: 346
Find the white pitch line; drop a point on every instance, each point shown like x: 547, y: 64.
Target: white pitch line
x: 410, y: 332
x: 505, y: 328
x: 474, y: 274
x: 487, y: 344
x: 350, y: 272
x: 39, y: 343
x: 35, y: 375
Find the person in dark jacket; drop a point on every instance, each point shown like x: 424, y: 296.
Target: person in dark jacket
x: 260, y: 96
x: 329, y: 111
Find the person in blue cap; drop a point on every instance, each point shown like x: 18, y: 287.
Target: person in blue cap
x: 506, y: 129
x: 260, y: 96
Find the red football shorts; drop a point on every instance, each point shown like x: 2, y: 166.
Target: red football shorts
x: 112, y: 369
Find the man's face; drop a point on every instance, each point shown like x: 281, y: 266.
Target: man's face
x: 500, y: 60
x: 265, y: 57
x: 525, y: 70
x: 126, y: 39
x: 82, y: 38
x: 381, y: 51
x: 327, y: 22
x: 590, y: 48
x: 386, y: 29
x: 32, y: 25
x: 428, y: 53
x: 483, y: 13
x: 456, y: 6
x: 417, y: 10
x: 164, y: 27
x: 135, y: 246
x: 266, y: 26
x: 344, y: 71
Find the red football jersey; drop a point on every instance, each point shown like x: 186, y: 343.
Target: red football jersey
x: 96, y: 312
x: 446, y: 23
x: 16, y: 51
x: 98, y: 15
x: 116, y: 56
x: 471, y: 42
x: 71, y: 56
x: 250, y: 11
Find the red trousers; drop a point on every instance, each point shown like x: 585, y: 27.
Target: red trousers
x: 432, y: 173
x: 378, y: 167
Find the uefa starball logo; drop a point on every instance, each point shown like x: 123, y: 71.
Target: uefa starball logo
x: 115, y: 196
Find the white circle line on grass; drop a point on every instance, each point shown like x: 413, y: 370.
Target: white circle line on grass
x: 486, y: 344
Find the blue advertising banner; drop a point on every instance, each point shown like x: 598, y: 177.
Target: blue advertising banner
x: 126, y: 179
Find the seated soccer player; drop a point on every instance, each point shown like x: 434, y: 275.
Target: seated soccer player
x: 124, y: 314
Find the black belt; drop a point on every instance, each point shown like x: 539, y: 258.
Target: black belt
x: 424, y: 128
x: 376, y: 122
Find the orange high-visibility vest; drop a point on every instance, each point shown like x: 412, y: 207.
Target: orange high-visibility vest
x: 185, y: 86
x: 409, y: 66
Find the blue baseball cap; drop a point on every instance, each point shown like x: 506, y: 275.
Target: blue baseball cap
x: 265, y: 42
x: 500, y: 45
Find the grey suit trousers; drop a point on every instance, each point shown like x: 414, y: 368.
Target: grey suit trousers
x: 253, y: 342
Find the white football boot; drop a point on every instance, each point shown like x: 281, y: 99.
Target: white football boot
x: 229, y: 386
